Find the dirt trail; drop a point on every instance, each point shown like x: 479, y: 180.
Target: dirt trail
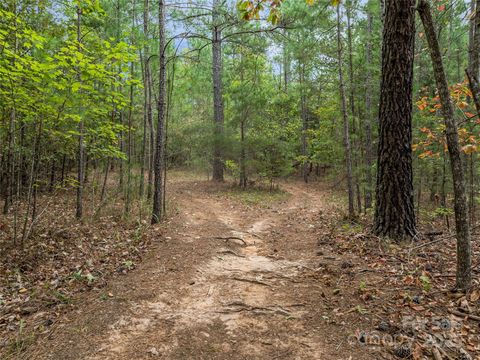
x: 230, y: 281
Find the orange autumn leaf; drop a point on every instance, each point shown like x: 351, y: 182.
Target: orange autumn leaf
x: 469, y: 149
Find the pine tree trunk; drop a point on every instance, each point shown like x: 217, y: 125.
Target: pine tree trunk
x: 464, y: 254
x: 368, y: 119
x: 356, y: 150
x: 159, y: 146
x: 303, y: 113
x: 394, y: 213
x: 217, y: 94
x: 474, y: 41
x: 147, y: 105
x: 346, y: 134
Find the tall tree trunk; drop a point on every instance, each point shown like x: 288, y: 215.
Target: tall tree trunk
x: 217, y: 93
x: 474, y: 39
x: 105, y: 180
x: 52, y: 176
x: 128, y: 189
x: 80, y: 152
x: 159, y: 146
x: 475, y: 90
x: 303, y: 113
x: 10, y: 163
x: 471, y: 200
x: 356, y: 152
x: 62, y: 178
x: 151, y: 159
x: 368, y: 119
x: 147, y: 105
x: 395, y: 213
x: 346, y: 131
x: 243, y: 171
x: 286, y: 66
x: 443, y: 195
x: 243, y: 120
x: 464, y: 254
x: 32, y: 189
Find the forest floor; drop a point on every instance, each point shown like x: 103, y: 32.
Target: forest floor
x: 254, y: 275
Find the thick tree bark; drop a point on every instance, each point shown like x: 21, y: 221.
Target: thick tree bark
x: 368, y: 119
x: 394, y: 213
x: 159, y: 146
x: 464, y: 254
x: 474, y: 41
x: 346, y: 131
x: 218, y: 113
x: 475, y: 90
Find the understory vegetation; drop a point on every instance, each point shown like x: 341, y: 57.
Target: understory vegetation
x: 107, y: 105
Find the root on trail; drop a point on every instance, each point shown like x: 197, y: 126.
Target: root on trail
x: 227, y: 238
x: 230, y: 252
x: 239, y: 306
x: 253, y: 281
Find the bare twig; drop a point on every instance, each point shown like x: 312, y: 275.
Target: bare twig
x: 465, y: 315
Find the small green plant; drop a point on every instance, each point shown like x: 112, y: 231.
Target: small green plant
x: 90, y: 278
x: 77, y: 275
x: 360, y: 309
x: 426, y: 283
x: 61, y: 297
x: 129, y: 264
x: 259, y: 196
x: 363, y: 286
x: 440, y: 212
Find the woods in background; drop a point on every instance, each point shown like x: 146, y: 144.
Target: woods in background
x: 94, y: 92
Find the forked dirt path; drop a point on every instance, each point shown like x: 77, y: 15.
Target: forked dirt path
x: 223, y: 281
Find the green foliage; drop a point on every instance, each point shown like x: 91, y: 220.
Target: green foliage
x: 52, y: 82
x: 426, y: 283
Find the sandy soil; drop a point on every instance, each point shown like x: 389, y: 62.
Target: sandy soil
x: 223, y: 281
